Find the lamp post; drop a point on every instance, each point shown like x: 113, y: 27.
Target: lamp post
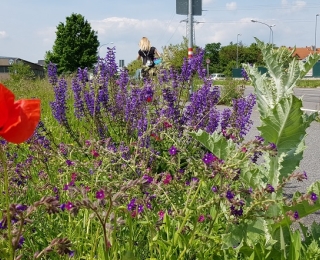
x: 315, y: 34
x: 103, y: 45
x: 270, y: 27
x: 237, y: 48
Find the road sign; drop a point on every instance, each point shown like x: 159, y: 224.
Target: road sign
x: 207, y: 61
x: 182, y: 7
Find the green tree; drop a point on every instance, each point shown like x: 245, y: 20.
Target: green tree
x: 212, y: 52
x: 75, y: 46
x: 20, y: 71
x: 252, y: 55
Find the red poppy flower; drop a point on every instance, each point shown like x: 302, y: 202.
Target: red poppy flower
x: 18, y: 119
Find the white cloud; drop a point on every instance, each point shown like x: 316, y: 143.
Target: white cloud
x: 231, y: 6
x: 3, y: 35
x: 293, y: 6
x: 298, y: 5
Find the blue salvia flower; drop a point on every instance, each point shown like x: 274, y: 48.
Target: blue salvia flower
x: 52, y: 74
x: 202, y: 107
x: 242, y: 108
x: 112, y: 67
x: 213, y: 120
x: 171, y: 109
x: 78, y: 100
x: 163, y: 76
x: 89, y: 97
x: 197, y: 63
x: 225, y: 119
x: 82, y: 75
x: 58, y: 106
x: 186, y: 70
x: 103, y: 97
x: 244, y: 74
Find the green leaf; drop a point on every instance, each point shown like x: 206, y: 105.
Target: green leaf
x: 304, y: 208
x: 215, y: 143
x: 295, y: 245
x: 234, y: 236
x: 286, y: 127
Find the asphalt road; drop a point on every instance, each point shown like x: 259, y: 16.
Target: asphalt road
x: 311, y: 160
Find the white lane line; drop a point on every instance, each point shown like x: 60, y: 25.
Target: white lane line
x: 310, y: 110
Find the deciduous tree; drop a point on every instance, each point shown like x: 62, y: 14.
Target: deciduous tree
x: 75, y: 46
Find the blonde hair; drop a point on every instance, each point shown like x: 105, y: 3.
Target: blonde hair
x: 144, y: 44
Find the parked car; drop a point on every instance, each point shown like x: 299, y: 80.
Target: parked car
x: 218, y: 76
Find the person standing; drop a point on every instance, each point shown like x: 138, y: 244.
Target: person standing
x: 148, y: 54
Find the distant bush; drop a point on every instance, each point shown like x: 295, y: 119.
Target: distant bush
x: 19, y: 71
x: 308, y: 83
x: 231, y: 89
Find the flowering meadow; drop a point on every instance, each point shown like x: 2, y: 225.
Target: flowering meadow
x: 118, y: 169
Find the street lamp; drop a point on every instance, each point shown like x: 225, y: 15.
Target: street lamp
x: 103, y: 45
x: 270, y: 27
x: 237, y: 48
x: 315, y: 34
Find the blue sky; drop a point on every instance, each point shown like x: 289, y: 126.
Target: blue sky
x: 27, y: 28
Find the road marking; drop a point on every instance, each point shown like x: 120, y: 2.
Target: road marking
x: 310, y: 110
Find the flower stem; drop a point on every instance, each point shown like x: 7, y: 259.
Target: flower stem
x: 7, y: 201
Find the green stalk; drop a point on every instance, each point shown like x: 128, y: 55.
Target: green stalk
x: 7, y: 201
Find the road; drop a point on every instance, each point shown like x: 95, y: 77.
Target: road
x: 311, y: 161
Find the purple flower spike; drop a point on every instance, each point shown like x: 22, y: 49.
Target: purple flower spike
x: 173, y: 150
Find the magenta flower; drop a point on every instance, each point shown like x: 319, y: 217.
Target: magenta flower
x: 167, y: 179
x: 69, y: 206
x: 161, y: 214
x: 201, y: 218
x: 94, y: 153
x: 173, y: 150
x: 100, y: 194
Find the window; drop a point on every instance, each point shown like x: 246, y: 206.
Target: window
x: 4, y: 69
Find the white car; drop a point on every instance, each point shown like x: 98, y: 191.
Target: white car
x: 218, y: 76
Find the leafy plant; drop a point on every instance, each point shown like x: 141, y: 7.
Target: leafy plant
x: 20, y: 71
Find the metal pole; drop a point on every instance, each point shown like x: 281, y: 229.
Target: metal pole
x: 237, y: 48
x: 190, y: 40
x: 270, y: 27
x: 271, y: 31
x: 315, y: 34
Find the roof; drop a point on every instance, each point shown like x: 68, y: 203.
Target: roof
x: 303, y: 52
